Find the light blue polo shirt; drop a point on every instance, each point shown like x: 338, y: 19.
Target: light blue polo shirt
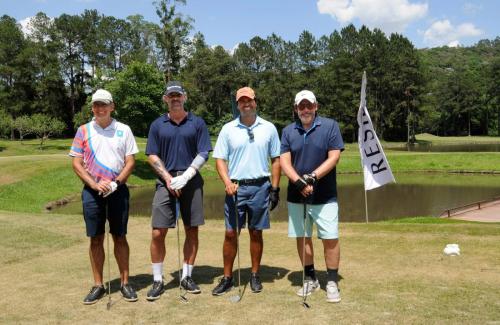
x: 248, y: 159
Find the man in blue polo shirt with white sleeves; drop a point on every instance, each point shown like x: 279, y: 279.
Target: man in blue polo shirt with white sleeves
x: 310, y: 151
x: 242, y: 154
x: 177, y: 148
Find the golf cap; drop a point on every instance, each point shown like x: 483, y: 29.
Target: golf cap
x: 174, y: 87
x: 245, y: 92
x: 305, y: 94
x: 102, y: 96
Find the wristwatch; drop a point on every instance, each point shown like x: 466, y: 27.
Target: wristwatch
x: 118, y: 183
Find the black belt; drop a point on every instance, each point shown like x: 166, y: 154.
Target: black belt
x: 250, y: 181
x: 176, y: 172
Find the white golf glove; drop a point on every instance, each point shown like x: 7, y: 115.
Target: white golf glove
x: 113, y: 187
x: 179, y: 182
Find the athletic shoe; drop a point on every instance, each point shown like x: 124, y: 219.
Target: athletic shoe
x: 332, y: 292
x: 189, y: 285
x: 309, y: 287
x: 255, y: 283
x: 96, y: 293
x: 128, y: 293
x: 225, y: 285
x: 156, y: 291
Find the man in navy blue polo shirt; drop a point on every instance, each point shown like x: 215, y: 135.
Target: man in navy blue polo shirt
x: 178, y: 146
x: 310, y: 151
x: 242, y: 154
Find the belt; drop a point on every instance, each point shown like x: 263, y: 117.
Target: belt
x: 250, y: 181
x: 176, y: 172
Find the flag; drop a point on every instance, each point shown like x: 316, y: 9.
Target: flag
x: 376, y: 169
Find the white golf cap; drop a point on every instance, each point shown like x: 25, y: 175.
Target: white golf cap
x: 102, y: 96
x: 305, y: 94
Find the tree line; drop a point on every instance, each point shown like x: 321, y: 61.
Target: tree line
x: 53, y: 69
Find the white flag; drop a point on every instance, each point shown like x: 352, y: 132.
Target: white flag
x: 376, y: 169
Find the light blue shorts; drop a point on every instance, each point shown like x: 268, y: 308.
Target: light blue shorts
x: 325, y: 216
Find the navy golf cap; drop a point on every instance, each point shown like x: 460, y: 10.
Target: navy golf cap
x: 174, y: 87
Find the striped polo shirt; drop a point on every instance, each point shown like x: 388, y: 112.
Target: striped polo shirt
x: 103, y: 150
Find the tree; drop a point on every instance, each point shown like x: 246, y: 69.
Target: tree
x: 173, y: 37
x: 23, y: 125
x: 43, y: 126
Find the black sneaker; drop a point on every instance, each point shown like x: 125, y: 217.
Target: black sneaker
x: 96, y: 293
x: 225, y: 285
x: 155, y: 291
x: 189, y: 285
x: 255, y: 283
x: 128, y: 293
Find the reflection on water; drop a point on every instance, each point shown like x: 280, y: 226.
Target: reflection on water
x: 429, y: 147
x: 413, y: 195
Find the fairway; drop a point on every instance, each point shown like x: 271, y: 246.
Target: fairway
x: 391, y: 273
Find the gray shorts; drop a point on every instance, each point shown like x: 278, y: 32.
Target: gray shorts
x: 190, y: 203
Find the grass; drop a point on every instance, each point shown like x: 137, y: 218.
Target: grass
x: 392, y: 272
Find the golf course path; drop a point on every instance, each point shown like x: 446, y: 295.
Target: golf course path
x: 489, y: 212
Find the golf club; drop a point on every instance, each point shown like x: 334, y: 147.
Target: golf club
x: 108, y: 305
x: 182, y: 296
x: 238, y: 297
x: 304, y: 288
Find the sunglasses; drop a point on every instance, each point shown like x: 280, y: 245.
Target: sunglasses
x: 309, y: 107
x: 250, y: 135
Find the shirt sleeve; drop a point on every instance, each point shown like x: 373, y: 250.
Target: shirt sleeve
x: 221, y: 150
x: 335, y: 141
x: 274, y: 149
x: 77, y: 146
x: 203, y: 144
x: 285, y: 145
x: 152, y: 143
x: 131, y: 145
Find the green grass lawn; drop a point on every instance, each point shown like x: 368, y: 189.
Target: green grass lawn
x: 391, y: 272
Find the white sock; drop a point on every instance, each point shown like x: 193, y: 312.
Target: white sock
x: 187, y: 270
x: 157, y: 271
x: 184, y: 270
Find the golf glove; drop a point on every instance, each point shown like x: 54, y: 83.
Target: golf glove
x: 180, y: 181
x: 300, y: 184
x: 310, y: 178
x: 113, y: 186
x: 274, y: 197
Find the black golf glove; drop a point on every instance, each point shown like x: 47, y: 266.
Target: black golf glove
x: 274, y: 197
x: 310, y: 179
x: 300, y: 184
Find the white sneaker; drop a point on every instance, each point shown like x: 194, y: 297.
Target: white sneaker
x: 332, y: 292
x: 309, y: 287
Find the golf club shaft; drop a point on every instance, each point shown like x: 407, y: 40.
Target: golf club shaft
x: 107, y: 256
x: 177, y: 213
x: 237, y: 241
x: 304, y: 253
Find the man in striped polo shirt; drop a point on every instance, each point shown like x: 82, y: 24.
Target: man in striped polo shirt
x: 103, y: 158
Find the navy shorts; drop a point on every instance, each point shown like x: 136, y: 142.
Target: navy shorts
x: 253, y: 203
x: 94, y: 211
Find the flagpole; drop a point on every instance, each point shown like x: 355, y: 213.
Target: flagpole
x: 366, y: 206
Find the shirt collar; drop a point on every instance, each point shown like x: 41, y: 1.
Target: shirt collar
x: 111, y: 126
x: 166, y: 118
x: 258, y: 121
x: 316, y: 122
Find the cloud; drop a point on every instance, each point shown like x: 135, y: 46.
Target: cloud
x: 442, y: 32
x: 388, y: 15
x: 25, y: 25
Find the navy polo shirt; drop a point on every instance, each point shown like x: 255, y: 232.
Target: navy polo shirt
x: 178, y: 144
x: 309, y: 149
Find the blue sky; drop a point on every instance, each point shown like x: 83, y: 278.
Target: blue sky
x: 227, y: 22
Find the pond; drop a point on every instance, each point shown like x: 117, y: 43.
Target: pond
x: 429, y: 147
x: 414, y: 194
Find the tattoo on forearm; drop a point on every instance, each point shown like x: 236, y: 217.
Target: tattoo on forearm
x: 160, y: 169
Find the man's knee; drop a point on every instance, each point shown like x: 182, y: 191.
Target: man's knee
x: 158, y: 234
x: 97, y: 241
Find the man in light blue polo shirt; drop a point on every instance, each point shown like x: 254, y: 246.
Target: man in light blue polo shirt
x: 310, y: 151
x: 242, y: 154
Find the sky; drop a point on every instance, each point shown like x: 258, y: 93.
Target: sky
x: 427, y: 23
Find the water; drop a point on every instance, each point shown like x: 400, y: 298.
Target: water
x: 415, y: 194
x: 428, y: 147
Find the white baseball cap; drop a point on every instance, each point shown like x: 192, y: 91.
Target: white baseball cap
x: 102, y: 96
x: 305, y: 94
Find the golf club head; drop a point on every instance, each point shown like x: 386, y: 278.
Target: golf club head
x: 235, y: 299
x: 108, y: 305
x: 305, y: 305
x: 183, y: 299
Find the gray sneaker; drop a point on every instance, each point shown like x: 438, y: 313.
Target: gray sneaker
x: 332, y: 292
x: 309, y: 287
